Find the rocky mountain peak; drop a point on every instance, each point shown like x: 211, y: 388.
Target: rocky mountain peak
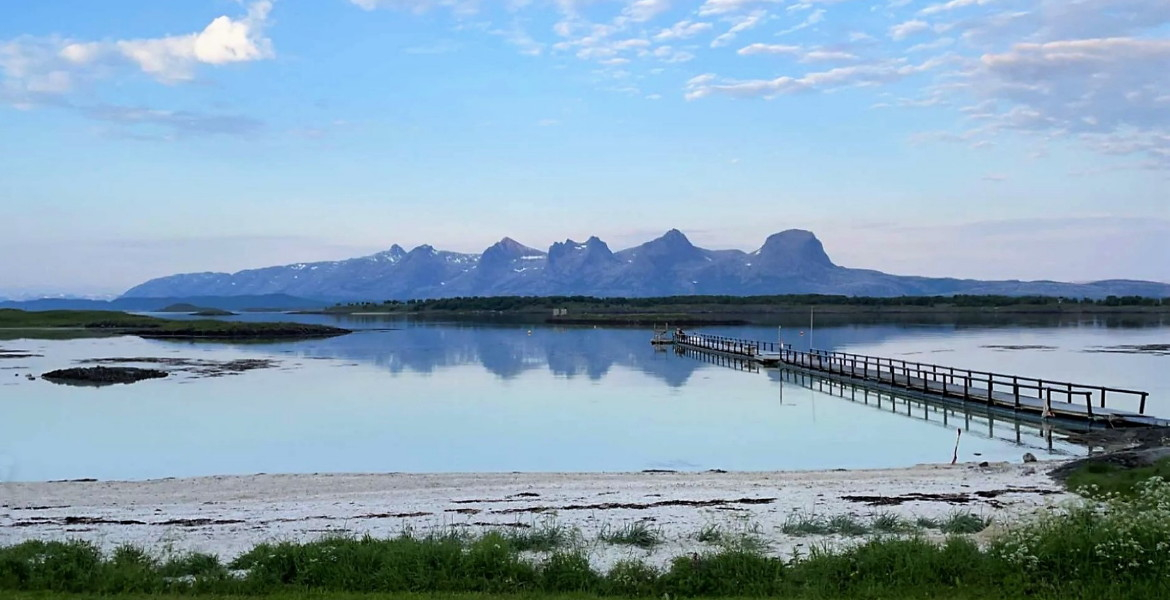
x: 393, y: 254
x: 789, y: 262
x: 574, y: 254
x: 794, y: 249
x: 512, y: 248
x: 504, y: 252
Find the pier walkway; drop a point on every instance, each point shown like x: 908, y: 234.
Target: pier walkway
x: 1047, y: 399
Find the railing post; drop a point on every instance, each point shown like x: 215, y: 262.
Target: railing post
x: 1016, y: 390
x: 1142, y: 409
x: 1089, y: 403
x: 1102, y: 397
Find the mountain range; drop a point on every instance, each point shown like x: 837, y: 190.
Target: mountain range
x: 789, y: 262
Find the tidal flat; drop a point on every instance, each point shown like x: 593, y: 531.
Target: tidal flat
x: 227, y: 516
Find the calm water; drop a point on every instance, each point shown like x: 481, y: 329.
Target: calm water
x: 424, y: 397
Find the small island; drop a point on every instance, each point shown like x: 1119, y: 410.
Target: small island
x: 213, y: 312
x: 120, y: 323
x: 198, y: 311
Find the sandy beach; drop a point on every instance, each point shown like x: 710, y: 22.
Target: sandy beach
x: 227, y: 515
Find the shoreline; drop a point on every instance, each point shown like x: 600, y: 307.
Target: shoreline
x: 228, y: 515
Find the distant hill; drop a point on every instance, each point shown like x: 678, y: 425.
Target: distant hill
x: 159, y: 304
x: 789, y: 262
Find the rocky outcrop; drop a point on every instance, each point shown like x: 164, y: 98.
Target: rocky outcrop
x: 98, y: 376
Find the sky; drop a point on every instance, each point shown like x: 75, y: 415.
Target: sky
x: 994, y: 139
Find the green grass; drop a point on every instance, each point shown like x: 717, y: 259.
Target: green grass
x: 1118, y: 548
x: 927, y: 523
x: 892, y: 524
x: 802, y: 524
x: 957, y: 523
x: 962, y: 522
x: 316, y: 595
x: 119, y: 323
x: 745, y: 536
x: 1101, y: 480
x: 546, y: 537
x: 638, y: 534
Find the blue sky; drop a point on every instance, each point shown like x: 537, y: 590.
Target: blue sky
x: 980, y: 138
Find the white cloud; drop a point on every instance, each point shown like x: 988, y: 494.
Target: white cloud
x: 52, y: 65
x: 1089, y: 85
x: 858, y: 75
x: 48, y: 71
x: 828, y: 56
x: 1055, y: 20
x: 671, y: 55
x: 644, y: 10
x: 722, y: 7
x: 462, y: 7
x: 814, y: 18
x: 520, y: 39
x: 758, y: 48
x: 953, y: 5
x: 798, y: 52
x: 903, y: 30
x: 738, y: 26
x: 936, y: 44
x: 682, y: 30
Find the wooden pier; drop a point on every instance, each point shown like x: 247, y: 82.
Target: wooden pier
x: 1027, y: 395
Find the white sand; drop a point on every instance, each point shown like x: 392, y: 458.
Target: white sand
x: 265, y: 508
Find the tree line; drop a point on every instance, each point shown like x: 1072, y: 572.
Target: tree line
x: 513, y: 303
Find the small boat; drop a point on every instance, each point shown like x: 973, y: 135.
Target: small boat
x: 660, y: 337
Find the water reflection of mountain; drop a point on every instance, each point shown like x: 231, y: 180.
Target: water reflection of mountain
x: 508, y: 351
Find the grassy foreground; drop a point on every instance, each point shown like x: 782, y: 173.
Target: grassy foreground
x: 317, y: 595
x: 1117, y: 548
x: 1102, y: 480
x: 119, y: 323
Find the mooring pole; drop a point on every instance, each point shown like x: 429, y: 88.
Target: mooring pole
x: 810, y: 328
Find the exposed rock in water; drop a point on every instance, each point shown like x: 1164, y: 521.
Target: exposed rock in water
x: 199, y: 367
x: 98, y: 376
x: 6, y: 353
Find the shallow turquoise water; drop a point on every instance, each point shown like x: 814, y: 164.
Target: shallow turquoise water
x: 454, y: 397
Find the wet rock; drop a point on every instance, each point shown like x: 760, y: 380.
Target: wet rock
x: 99, y: 376
x: 1130, y: 459
x: 1029, y: 457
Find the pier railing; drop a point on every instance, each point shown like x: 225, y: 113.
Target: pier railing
x: 927, y: 377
